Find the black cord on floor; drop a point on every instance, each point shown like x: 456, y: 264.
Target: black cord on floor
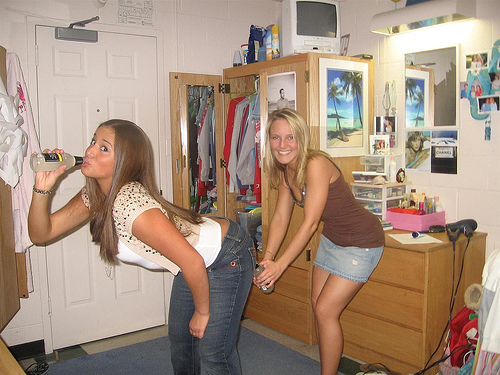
x: 453, y: 298
x: 37, y: 368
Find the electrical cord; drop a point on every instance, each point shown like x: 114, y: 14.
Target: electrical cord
x: 454, y: 291
x: 37, y: 368
x: 442, y: 359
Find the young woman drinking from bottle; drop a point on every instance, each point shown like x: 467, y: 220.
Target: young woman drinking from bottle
x: 213, y: 258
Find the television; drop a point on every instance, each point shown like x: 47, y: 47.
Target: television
x: 310, y: 26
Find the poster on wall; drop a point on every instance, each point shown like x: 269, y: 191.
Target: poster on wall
x: 136, y: 12
x: 343, y: 107
x: 418, y: 150
x: 444, y: 151
x: 432, y: 151
x: 419, y: 94
x: 281, y: 91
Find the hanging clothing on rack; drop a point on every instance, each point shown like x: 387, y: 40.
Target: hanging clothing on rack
x: 240, y: 149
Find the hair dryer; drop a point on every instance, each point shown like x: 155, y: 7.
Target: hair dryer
x: 466, y: 226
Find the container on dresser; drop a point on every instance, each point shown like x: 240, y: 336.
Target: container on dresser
x: 379, y: 198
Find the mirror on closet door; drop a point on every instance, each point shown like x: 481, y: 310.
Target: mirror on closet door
x: 195, y: 144
x: 431, y: 88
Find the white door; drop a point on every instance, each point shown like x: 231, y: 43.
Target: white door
x: 81, y: 85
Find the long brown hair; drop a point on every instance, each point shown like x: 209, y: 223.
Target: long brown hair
x: 133, y: 162
x: 301, y: 134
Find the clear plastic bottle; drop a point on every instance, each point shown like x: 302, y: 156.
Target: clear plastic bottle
x: 45, y: 162
x: 257, y: 272
x: 392, y: 169
x: 439, y: 206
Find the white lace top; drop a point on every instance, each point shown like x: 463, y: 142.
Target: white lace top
x: 132, y: 200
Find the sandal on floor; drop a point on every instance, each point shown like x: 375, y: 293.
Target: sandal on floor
x: 37, y: 368
x: 377, y: 367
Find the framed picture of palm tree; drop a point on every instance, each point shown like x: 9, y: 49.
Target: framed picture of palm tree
x: 345, y: 90
x: 419, y: 97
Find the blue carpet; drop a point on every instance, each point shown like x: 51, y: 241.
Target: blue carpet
x: 258, y: 354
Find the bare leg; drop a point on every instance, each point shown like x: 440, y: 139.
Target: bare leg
x: 330, y: 296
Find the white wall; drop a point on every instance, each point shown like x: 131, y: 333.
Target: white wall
x: 475, y: 191
x: 199, y: 37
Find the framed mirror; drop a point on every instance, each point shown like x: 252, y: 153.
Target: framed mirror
x: 431, y: 88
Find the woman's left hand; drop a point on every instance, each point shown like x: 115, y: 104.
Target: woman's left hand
x: 198, y: 324
x: 271, y: 273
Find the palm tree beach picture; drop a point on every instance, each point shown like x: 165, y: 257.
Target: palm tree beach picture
x: 415, y: 100
x: 344, y: 126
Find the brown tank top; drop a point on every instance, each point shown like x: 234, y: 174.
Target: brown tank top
x: 346, y: 221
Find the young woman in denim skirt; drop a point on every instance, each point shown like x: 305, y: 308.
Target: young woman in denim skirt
x: 352, y: 240
x: 213, y: 258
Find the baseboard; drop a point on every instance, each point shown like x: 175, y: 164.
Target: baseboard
x: 28, y: 350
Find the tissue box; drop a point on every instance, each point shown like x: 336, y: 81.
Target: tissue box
x: 415, y: 222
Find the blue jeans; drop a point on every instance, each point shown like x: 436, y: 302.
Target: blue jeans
x: 230, y: 277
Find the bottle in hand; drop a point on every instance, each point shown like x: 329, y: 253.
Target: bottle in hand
x: 45, y: 162
x: 257, y: 272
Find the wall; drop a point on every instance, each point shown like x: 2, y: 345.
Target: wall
x: 199, y: 37
x: 475, y: 191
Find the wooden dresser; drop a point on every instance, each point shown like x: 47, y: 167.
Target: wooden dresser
x: 399, y: 315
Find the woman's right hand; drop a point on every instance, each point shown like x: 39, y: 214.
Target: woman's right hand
x: 47, y: 180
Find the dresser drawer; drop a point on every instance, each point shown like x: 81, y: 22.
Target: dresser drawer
x: 284, y: 314
x: 390, y: 303
x: 401, y: 343
x: 400, y: 267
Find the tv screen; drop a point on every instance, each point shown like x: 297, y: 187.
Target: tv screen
x: 316, y: 19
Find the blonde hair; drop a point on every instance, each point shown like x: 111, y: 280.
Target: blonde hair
x: 302, y: 136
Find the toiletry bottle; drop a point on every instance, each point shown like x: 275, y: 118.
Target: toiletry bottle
x: 51, y: 161
x: 439, y: 206
x: 413, y: 198
x: 392, y: 169
x: 257, y: 272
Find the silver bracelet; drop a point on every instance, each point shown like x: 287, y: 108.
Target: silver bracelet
x: 43, y: 192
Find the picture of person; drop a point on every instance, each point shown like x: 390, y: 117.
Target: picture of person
x: 387, y: 125
x: 281, y: 90
x: 488, y: 103
x: 477, y: 61
x: 463, y: 91
x: 479, y: 90
x: 388, y: 128
x: 473, y: 91
x: 495, y: 81
x: 485, y: 106
x: 282, y: 101
x: 493, y: 104
x: 380, y: 144
x: 417, y: 149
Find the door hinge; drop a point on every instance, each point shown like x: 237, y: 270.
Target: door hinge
x: 308, y: 255
x: 224, y: 88
x: 223, y: 163
x: 307, y: 76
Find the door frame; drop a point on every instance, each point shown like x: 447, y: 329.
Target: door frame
x: 163, y: 150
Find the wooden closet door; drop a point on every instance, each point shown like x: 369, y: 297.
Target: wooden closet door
x: 179, y: 124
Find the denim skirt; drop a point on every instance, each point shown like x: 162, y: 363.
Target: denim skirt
x: 351, y: 263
